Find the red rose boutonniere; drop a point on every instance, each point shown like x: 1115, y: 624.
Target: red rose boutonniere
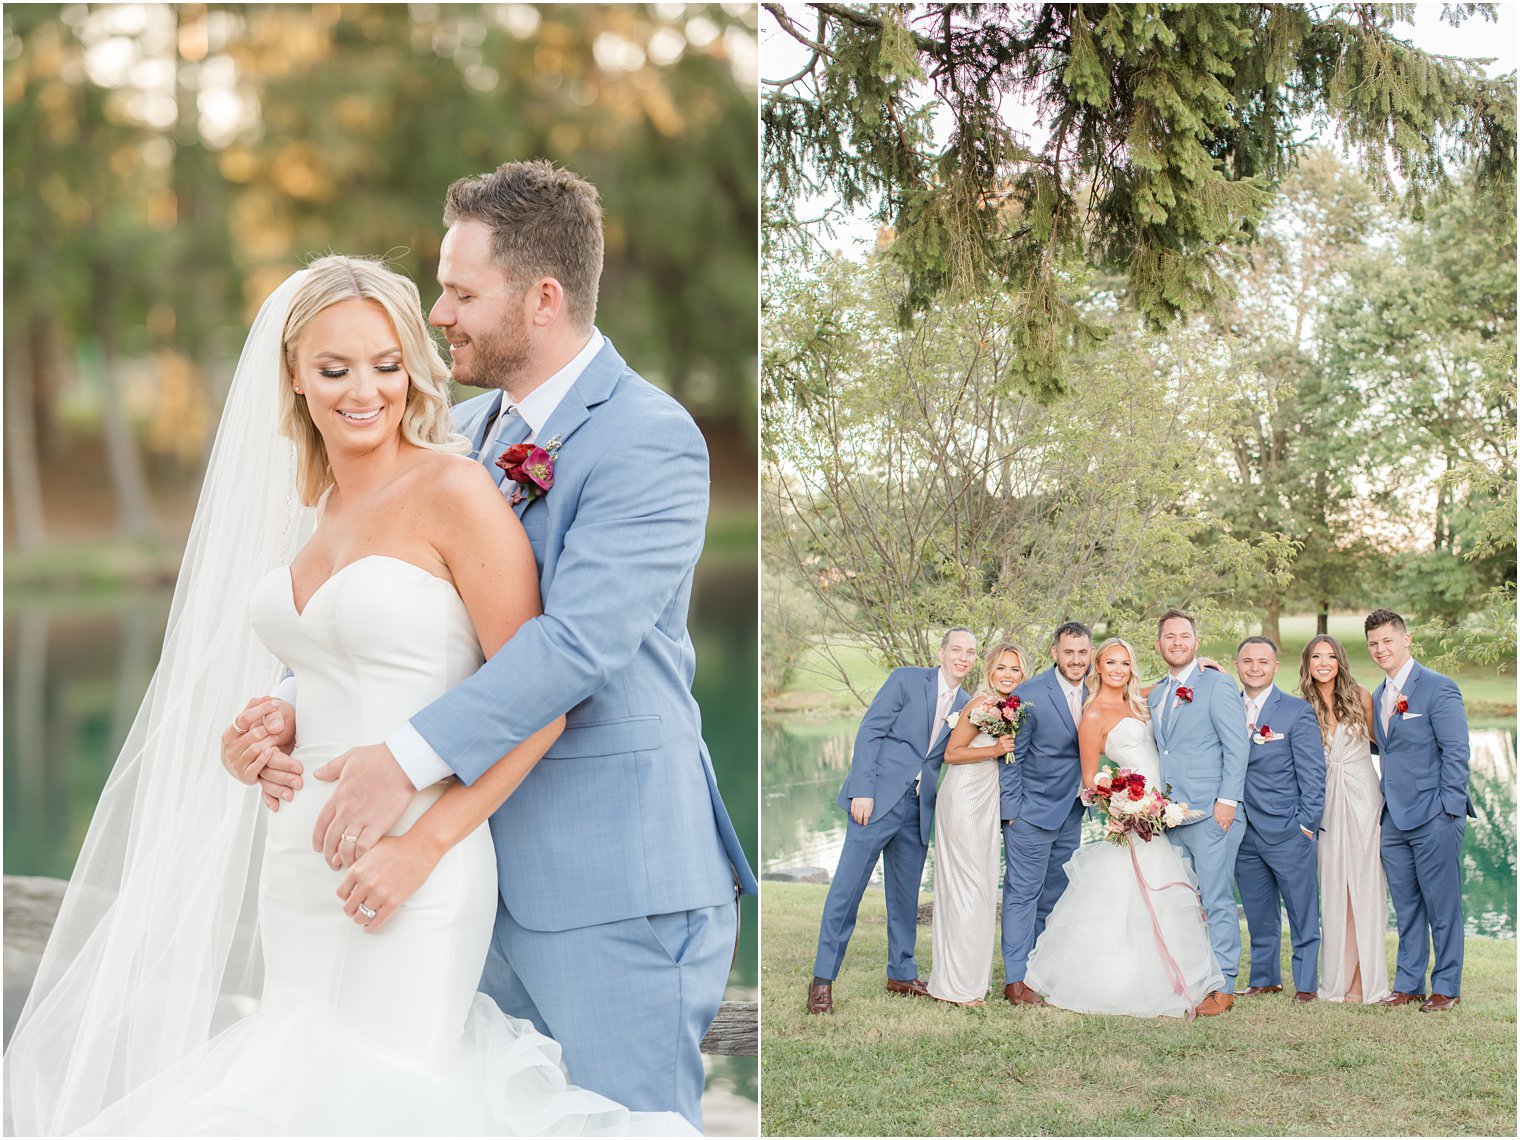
x: 531, y: 467
x: 1265, y: 735
x: 1184, y: 694
x: 1401, y: 705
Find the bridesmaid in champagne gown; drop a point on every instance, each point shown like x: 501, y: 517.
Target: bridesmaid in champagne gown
x: 967, y: 843
x: 1353, y: 902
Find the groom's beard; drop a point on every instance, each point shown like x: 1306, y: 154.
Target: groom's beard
x: 501, y: 360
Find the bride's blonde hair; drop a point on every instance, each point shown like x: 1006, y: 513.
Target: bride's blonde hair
x: 1132, y: 697
x: 426, y: 419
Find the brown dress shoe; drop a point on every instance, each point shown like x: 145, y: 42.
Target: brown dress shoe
x: 1020, y: 994
x: 820, y: 997
x: 1254, y: 990
x: 1439, y: 1003
x: 1398, y: 997
x: 1305, y: 995
x: 915, y: 987
x: 1215, y: 1003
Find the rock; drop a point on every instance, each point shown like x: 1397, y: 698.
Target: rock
x: 798, y: 875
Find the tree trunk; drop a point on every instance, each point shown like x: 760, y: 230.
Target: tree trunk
x: 21, y: 455
x: 1322, y: 622
x: 1271, y: 622
x: 131, y: 485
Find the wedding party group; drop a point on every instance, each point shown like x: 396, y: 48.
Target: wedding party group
x: 1323, y: 804
x: 465, y: 867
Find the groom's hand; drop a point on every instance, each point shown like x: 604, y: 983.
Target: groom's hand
x: 860, y: 809
x: 372, y: 793
x: 1224, y: 815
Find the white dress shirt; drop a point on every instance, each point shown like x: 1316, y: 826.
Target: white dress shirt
x: 422, y: 765
x: 1068, y: 690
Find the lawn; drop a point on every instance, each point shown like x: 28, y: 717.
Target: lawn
x: 886, y: 1065
x: 1489, y: 691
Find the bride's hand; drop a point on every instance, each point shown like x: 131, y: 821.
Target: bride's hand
x: 384, y: 877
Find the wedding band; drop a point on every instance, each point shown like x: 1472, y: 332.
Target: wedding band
x: 351, y: 839
x: 237, y: 728
x: 365, y: 911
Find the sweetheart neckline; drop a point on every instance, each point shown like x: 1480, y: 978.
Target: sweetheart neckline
x: 301, y: 612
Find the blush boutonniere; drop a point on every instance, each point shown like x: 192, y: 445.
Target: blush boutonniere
x: 1401, y: 705
x: 1265, y: 735
x: 1184, y: 695
x: 531, y: 467
x: 952, y: 720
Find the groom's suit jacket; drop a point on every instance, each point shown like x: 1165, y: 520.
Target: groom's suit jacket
x: 1424, y: 751
x: 622, y: 816
x: 1285, y: 776
x: 1044, y: 780
x: 893, y: 746
x: 1203, y: 743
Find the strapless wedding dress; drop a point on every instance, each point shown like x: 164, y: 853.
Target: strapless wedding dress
x: 1129, y: 934
x: 357, y: 1033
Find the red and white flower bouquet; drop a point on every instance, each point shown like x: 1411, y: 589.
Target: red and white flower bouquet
x: 1130, y: 808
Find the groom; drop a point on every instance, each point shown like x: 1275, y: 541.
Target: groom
x: 1041, y: 811
x: 618, y: 863
x: 1199, y: 721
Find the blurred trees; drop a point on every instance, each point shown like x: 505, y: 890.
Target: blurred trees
x: 166, y: 165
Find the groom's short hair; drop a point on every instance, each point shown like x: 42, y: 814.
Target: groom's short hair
x: 952, y: 631
x: 1176, y: 613
x: 1379, y: 618
x: 545, y: 222
x: 1070, y: 629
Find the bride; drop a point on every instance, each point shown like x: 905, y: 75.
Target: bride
x: 209, y: 973
x: 1128, y: 935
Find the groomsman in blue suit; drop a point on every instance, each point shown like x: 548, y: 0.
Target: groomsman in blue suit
x: 1421, y: 730
x: 889, y: 795
x: 1277, y: 865
x: 1041, y: 808
x: 1200, y: 728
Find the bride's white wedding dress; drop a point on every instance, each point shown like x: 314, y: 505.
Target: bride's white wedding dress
x: 357, y: 1033
x: 1114, y: 944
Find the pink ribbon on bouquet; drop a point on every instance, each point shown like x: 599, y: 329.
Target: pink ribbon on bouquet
x: 1174, y: 971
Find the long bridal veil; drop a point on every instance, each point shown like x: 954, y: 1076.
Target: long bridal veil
x: 156, y: 946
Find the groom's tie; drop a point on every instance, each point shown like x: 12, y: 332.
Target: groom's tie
x: 512, y: 429
x: 1166, y: 699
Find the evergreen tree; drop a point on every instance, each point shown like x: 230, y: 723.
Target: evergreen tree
x: 1168, y: 128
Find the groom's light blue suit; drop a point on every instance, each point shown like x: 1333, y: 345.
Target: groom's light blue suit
x: 1203, y: 748
x: 618, y: 863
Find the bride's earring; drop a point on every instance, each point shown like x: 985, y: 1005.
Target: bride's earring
x: 299, y: 391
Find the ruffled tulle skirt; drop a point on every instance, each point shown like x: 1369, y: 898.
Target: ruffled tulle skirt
x: 293, y: 1072
x: 1104, y: 950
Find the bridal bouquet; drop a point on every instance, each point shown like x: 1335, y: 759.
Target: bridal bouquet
x: 1131, y: 808
x: 1002, y: 717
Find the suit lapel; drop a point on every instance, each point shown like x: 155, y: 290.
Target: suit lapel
x: 1377, y: 712
x: 591, y: 388
x: 1262, y: 717
x: 1410, y: 684
x: 931, y: 697
x: 478, y: 436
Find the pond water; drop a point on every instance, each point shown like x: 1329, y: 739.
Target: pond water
x: 805, y: 761
x: 77, y: 666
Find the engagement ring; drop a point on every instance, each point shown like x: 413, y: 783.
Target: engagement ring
x: 365, y: 911
x: 351, y: 839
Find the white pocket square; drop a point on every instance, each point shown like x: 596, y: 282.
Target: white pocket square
x: 1413, y: 716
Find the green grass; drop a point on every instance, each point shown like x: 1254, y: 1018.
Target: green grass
x: 1489, y: 691
x: 883, y: 1065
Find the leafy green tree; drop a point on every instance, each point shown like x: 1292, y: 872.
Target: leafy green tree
x: 910, y: 487
x: 1425, y: 328
x: 1166, y: 129
x: 1294, y: 445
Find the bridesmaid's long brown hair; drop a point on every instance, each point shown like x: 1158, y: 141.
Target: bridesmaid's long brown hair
x: 1346, y: 696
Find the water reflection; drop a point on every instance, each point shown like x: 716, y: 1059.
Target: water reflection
x: 805, y: 762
